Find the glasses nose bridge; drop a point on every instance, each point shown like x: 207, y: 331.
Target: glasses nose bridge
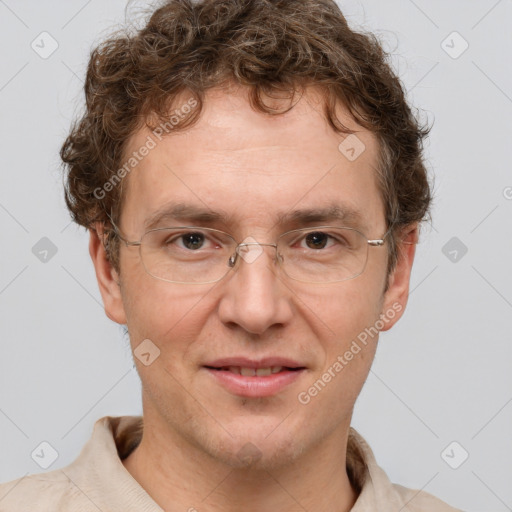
x: 245, y: 244
x: 234, y: 258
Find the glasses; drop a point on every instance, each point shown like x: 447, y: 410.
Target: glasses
x: 196, y: 255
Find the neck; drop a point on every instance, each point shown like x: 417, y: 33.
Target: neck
x: 180, y: 476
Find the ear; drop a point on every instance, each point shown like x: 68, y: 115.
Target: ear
x: 108, y: 279
x: 395, y: 297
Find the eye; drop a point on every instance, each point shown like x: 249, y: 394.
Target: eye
x: 193, y: 241
x: 317, y: 240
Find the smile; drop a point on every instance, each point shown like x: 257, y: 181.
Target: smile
x: 254, y: 372
x: 259, y: 382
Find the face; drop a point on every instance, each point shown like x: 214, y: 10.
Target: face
x: 256, y: 173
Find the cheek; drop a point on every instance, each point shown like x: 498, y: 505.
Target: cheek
x: 341, y: 311
x: 170, y: 315
x: 345, y: 316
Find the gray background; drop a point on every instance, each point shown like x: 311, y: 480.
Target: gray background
x: 443, y: 374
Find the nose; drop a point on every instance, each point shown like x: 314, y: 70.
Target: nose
x: 254, y: 298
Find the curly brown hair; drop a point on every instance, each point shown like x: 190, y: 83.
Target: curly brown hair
x: 272, y: 46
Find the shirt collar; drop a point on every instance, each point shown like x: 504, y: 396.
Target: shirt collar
x: 99, y: 472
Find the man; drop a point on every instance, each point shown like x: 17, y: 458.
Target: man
x: 252, y: 179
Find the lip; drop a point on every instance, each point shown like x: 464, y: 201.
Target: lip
x: 245, y: 362
x: 255, y: 386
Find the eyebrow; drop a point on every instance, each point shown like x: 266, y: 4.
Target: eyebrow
x: 338, y: 213
x: 198, y: 214
x: 185, y: 212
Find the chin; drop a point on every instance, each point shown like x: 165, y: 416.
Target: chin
x: 260, y: 455
x: 259, y: 446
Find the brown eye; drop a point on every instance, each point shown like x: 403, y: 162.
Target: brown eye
x: 193, y: 241
x: 317, y: 240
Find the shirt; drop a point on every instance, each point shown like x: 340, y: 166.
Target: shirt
x: 98, y: 481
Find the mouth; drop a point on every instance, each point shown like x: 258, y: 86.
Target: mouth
x: 255, y: 372
x: 255, y: 379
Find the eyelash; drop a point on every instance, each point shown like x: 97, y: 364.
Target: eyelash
x: 301, y: 239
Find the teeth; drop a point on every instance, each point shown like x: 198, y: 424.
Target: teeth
x: 254, y: 372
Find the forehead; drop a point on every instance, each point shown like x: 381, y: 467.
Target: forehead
x: 245, y: 166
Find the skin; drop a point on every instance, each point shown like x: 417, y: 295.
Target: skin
x: 250, y: 166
